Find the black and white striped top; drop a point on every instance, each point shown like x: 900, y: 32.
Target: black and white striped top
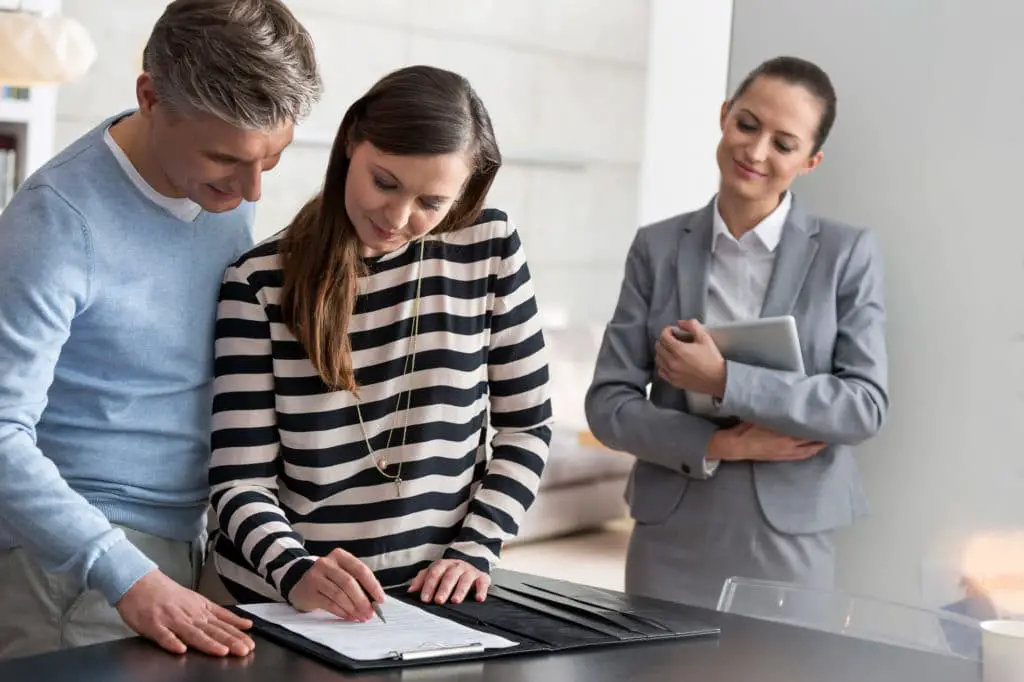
x: 291, y: 475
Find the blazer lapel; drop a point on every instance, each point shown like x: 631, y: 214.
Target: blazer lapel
x: 694, y: 263
x: 795, y: 253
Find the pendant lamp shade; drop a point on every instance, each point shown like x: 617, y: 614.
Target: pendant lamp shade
x: 42, y: 50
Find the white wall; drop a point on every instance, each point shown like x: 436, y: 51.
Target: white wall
x: 687, y: 69
x: 926, y: 151
x: 563, y: 79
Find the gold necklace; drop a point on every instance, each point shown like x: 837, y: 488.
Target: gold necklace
x: 407, y: 371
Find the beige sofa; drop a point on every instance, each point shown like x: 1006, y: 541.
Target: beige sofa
x: 583, y: 482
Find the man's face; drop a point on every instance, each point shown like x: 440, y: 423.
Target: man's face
x: 210, y: 161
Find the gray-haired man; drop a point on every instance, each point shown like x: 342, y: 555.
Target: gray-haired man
x: 111, y: 257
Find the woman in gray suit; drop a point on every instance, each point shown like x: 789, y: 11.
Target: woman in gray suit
x: 757, y: 488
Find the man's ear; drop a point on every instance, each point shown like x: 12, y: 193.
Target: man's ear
x: 145, y: 94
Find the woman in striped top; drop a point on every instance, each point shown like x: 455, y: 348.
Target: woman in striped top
x: 366, y: 355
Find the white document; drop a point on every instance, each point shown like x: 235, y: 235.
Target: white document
x: 409, y: 630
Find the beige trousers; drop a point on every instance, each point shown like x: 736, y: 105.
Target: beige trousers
x: 42, y: 612
x: 212, y: 587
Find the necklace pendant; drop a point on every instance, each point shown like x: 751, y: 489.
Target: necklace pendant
x: 398, y: 487
x: 384, y: 462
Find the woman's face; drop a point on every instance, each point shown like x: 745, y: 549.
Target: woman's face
x: 392, y: 200
x: 768, y: 135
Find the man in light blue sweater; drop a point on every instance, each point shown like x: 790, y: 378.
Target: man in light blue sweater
x: 111, y: 257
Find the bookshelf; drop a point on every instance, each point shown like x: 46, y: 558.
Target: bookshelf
x: 29, y: 126
x: 28, y: 121
x: 14, y: 110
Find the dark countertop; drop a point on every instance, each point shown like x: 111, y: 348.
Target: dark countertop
x: 746, y: 650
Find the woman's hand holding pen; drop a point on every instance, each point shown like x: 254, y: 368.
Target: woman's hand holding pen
x: 746, y: 441
x: 341, y: 584
x: 693, y: 363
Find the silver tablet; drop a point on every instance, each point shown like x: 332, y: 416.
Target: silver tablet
x: 769, y: 342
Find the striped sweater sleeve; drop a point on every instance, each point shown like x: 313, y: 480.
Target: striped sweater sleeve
x: 520, y: 414
x: 245, y: 443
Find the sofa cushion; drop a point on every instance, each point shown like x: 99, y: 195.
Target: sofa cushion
x: 572, y: 352
x: 573, y: 462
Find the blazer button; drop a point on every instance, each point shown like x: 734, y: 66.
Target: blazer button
x: 686, y: 468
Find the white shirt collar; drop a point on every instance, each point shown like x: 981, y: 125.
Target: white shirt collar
x: 768, y: 231
x: 183, y: 209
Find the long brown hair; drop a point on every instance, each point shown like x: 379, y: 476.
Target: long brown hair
x: 418, y: 110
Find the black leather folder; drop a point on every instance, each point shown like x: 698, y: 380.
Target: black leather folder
x: 543, y: 616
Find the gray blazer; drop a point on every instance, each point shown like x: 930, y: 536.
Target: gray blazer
x: 829, y: 277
